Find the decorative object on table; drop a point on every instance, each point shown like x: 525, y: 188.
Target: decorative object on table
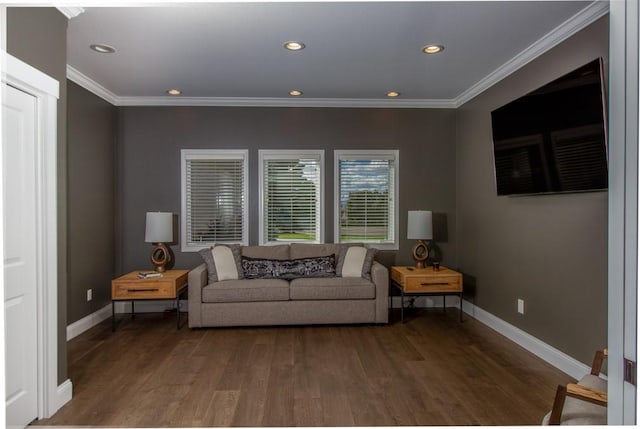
x: 419, y: 227
x: 159, y: 230
x: 436, y: 266
x: 148, y: 274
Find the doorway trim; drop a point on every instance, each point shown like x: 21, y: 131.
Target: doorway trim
x: 623, y: 208
x: 20, y: 75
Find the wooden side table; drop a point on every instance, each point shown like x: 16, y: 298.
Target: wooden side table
x: 171, y: 285
x: 426, y: 281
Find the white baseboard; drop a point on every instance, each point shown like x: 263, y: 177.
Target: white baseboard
x: 539, y: 348
x: 88, y: 322
x: 64, y: 393
x: 544, y: 351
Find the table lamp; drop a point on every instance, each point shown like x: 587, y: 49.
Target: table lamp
x: 419, y: 227
x: 159, y: 230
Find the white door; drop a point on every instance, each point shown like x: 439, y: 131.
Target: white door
x: 19, y: 187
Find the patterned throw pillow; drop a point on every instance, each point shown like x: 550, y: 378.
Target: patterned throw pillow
x: 322, y: 266
x: 355, y: 261
x: 223, y: 262
x: 258, y: 268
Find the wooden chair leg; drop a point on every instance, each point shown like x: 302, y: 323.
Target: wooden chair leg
x: 558, y: 405
x: 598, y: 359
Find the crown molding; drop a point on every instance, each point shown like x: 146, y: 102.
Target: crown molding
x: 107, y: 95
x: 571, y: 26
x: 70, y: 11
x: 285, y: 102
x: 91, y: 85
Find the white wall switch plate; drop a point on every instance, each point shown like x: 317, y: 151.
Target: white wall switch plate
x: 520, y: 306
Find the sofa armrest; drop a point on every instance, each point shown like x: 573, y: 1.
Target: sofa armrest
x: 197, y: 280
x: 380, y: 277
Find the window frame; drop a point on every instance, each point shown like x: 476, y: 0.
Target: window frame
x: 386, y: 154
x: 284, y: 154
x: 212, y: 154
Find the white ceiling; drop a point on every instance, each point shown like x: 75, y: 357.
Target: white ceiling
x: 232, y: 53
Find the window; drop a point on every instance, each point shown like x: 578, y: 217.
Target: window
x: 366, y: 197
x: 214, y: 198
x: 291, y: 196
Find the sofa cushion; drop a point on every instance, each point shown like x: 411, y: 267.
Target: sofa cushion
x: 308, y: 250
x: 280, y: 252
x: 223, y: 262
x: 246, y: 291
x: 332, y: 288
x: 355, y: 261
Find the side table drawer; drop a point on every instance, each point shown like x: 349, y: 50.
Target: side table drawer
x: 433, y: 284
x: 143, y: 290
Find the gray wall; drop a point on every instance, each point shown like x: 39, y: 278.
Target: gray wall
x: 38, y: 36
x: 91, y: 171
x: 149, y: 162
x: 550, y: 250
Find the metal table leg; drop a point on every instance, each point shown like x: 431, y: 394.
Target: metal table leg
x: 184, y: 291
x: 178, y: 311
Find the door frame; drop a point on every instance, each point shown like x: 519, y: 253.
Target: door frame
x: 45, y: 89
x: 623, y: 208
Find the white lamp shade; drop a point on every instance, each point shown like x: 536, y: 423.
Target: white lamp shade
x: 159, y: 227
x: 419, y: 226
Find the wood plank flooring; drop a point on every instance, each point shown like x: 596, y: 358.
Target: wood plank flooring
x: 430, y: 370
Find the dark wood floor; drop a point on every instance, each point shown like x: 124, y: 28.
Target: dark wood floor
x: 431, y: 370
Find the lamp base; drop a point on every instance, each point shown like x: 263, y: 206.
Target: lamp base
x: 160, y: 257
x: 420, y: 254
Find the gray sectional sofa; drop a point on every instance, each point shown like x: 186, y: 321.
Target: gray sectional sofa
x: 276, y: 301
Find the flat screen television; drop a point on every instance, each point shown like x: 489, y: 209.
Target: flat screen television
x: 554, y: 139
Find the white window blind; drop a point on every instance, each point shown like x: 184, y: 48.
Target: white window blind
x: 214, y: 198
x: 366, y: 197
x: 291, y: 196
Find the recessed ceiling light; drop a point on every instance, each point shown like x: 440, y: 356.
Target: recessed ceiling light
x: 295, y: 93
x: 294, y: 46
x: 103, y: 49
x: 393, y: 94
x: 433, y: 49
x: 174, y: 91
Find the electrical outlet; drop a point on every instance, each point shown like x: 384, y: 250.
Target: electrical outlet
x: 520, y: 306
x: 89, y: 294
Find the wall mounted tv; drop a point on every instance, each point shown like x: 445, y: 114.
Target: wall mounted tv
x: 554, y: 139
